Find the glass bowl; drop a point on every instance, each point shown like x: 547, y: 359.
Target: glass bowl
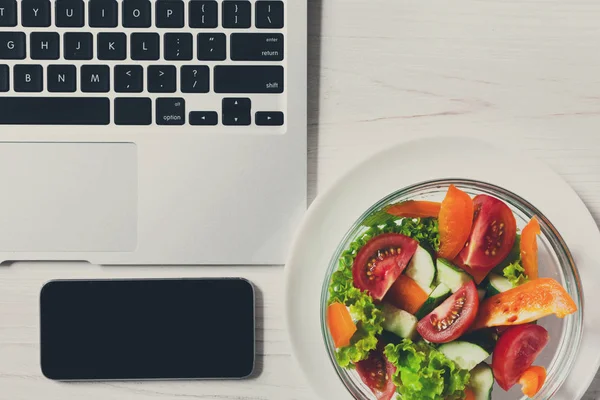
x: 555, y: 261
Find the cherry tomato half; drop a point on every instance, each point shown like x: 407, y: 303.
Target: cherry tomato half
x: 492, y: 236
x: 516, y: 350
x: 381, y: 261
x: 453, y: 317
x: 376, y: 372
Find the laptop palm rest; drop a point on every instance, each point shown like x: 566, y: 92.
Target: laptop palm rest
x: 68, y: 197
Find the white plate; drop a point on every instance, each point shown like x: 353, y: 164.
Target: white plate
x: 334, y: 212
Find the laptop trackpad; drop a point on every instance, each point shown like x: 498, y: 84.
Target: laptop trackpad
x: 68, y: 197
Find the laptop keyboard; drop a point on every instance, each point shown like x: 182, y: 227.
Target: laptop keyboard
x: 141, y: 62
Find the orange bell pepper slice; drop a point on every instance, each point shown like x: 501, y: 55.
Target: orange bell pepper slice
x: 525, y: 303
x: 469, y: 395
x: 415, y: 209
x: 340, y: 323
x: 529, y: 248
x: 406, y: 294
x: 532, y: 380
x: 455, y: 220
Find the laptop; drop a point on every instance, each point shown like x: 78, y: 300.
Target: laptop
x: 152, y: 132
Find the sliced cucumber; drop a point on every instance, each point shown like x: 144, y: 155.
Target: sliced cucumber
x: 497, y: 284
x: 466, y: 355
x: 399, y: 322
x: 439, y: 294
x: 480, y: 293
x: 421, y: 269
x: 452, y: 276
x: 482, y: 382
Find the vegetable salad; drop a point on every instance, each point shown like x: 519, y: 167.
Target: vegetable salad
x: 429, y: 291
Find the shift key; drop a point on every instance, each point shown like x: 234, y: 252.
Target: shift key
x: 248, y: 79
x: 256, y: 46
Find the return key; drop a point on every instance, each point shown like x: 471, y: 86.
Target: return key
x: 256, y: 46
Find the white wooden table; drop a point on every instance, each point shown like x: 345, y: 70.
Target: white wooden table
x: 380, y: 71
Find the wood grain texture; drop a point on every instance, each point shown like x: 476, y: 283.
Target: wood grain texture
x: 381, y: 71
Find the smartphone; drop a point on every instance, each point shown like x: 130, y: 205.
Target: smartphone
x: 142, y: 329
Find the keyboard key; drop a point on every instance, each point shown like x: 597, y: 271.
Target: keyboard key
x: 103, y: 13
x: 204, y: 118
x: 269, y: 118
x: 4, y: 78
x: 12, y: 45
x: 68, y: 13
x: 129, y: 79
x: 133, y: 111
x: 62, y: 78
x: 269, y: 14
x: 195, y: 79
x: 95, y: 78
x: 256, y: 46
x: 78, y: 46
x: 137, y: 14
x: 8, y: 12
x: 203, y: 14
x: 178, y: 46
x: 236, y: 104
x: 236, y: 14
x: 169, y: 14
x: 145, y: 46
x: 112, y: 46
x: 162, y: 79
x: 236, y: 111
x: 35, y: 13
x: 54, y: 111
x: 28, y: 78
x: 248, y: 79
x: 44, y: 45
x: 212, y: 46
x: 170, y: 111
x: 236, y: 119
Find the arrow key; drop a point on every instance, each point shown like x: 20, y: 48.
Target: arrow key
x: 204, y: 118
x: 237, y: 105
x: 269, y: 118
x: 129, y: 79
x: 236, y: 119
x: 236, y: 111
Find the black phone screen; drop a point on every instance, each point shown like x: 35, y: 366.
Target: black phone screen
x: 147, y: 329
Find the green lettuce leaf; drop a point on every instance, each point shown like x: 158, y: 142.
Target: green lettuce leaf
x: 424, y: 373
x: 367, y: 315
x: 362, y: 343
x: 515, y: 273
x: 369, y: 323
x: 423, y: 230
